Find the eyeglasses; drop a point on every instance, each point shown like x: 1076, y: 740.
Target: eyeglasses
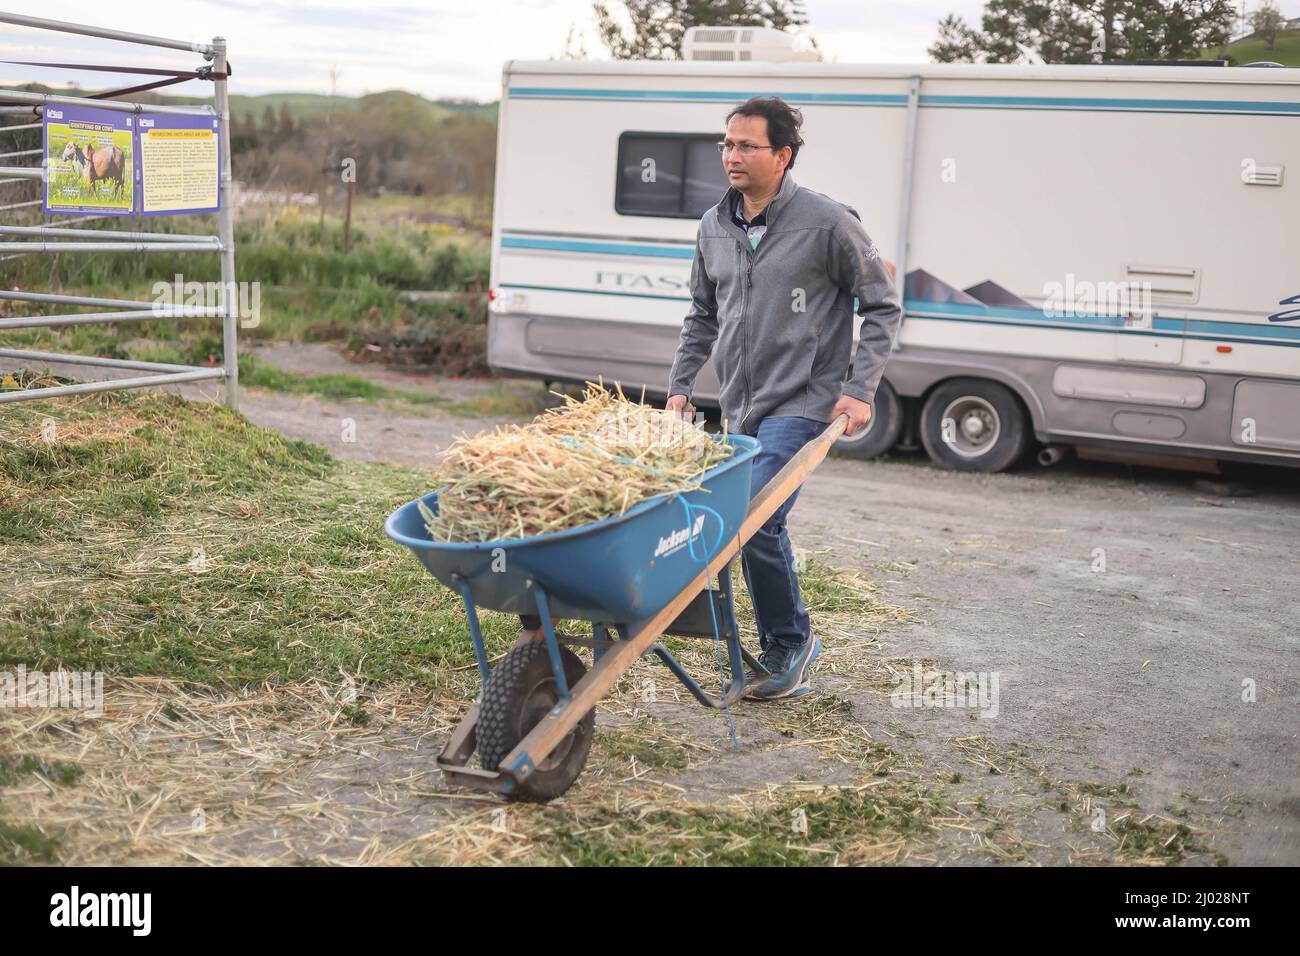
x: 746, y: 149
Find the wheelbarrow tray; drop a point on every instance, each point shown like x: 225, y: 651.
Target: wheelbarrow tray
x: 624, y: 568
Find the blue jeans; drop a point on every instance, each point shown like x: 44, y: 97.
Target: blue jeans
x: 767, y: 559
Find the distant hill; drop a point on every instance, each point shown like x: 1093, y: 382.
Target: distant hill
x: 311, y: 105
x: 304, y: 105
x: 1252, y: 49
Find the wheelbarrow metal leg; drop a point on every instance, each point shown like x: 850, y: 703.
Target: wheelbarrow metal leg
x: 475, y: 632
x: 599, y: 632
x: 735, y: 652
x: 735, y: 688
x: 552, y: 645
x: 462, y: 741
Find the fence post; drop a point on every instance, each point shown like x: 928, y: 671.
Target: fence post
x: 226, y: 230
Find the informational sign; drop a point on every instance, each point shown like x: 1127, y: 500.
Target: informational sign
x: 179, y: 164
x: 89, y: 160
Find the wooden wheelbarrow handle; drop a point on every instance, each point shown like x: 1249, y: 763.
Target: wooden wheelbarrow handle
x: 614, y: 663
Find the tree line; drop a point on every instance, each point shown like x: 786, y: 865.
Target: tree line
x: 398, y: 142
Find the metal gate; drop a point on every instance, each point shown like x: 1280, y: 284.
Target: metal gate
x: 64, y: 238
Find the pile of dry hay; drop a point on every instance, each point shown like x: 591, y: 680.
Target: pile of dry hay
x: 587, y: 460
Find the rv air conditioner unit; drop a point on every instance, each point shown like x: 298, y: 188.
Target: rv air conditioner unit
x: 759, y: 44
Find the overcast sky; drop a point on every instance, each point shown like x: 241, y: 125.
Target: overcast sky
x: 439, y: 48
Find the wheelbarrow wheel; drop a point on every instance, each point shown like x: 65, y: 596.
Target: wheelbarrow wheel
x: 519, y: 693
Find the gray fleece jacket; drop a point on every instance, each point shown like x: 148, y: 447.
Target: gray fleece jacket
x: 778, y: 319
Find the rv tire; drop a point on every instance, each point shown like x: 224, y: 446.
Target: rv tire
x: 987, y: 427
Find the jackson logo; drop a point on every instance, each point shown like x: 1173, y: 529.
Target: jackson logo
x: 677, y: 540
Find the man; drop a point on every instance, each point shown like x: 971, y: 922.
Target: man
x: 776, y: 270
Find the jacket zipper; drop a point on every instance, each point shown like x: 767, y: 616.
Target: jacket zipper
x: 744, y: 336
x: 748, y: 253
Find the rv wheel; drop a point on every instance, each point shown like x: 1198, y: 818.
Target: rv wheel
x: 881, y: 432
x: 974, y: 425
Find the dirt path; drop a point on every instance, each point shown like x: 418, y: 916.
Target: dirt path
x: 1141, y: 666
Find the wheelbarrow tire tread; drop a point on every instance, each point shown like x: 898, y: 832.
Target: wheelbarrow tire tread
x: 500, y: 713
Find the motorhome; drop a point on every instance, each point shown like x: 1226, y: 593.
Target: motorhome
x: 1104, y: 257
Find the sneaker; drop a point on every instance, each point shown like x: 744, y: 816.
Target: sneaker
x: 774, y: 660
x: 789, y: 667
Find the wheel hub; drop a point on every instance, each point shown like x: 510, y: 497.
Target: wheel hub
x: 540, y: 701
x: 975, y: 426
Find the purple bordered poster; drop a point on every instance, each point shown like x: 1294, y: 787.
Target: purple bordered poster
x: 89, y: 161
x: 179, y: 164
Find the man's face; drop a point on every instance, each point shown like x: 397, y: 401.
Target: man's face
x: 758, y: 170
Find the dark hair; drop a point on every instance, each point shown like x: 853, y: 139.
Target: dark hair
x: 783, y: 121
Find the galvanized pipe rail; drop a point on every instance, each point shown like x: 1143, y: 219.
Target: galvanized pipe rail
x: 59, y: 238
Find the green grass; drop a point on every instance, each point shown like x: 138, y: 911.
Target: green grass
x: 257, y: 373
x: 14, y: 769
x: 288, y: 249
x: 645, y: 749
x: 309, y: 288
x: 21, y: 844
x: 303, y: 105
x: 499, y: 402
x: 1252, y: 49
x: 25, y: 844
x: 836, y: 824
x: 166, y: 538
x: 1161, y: 842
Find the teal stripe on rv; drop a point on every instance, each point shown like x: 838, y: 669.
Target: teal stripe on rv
x: 1194, y: 328
x: 1204, y: 329
x: 1095, y: 104
x: 623, y: 295
x: 701, y: 96
x: 605, y: 248
x: 1269, y: 336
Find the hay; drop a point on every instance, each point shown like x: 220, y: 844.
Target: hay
x: 590, y: 459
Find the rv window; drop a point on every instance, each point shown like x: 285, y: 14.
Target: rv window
x: 672, y: 175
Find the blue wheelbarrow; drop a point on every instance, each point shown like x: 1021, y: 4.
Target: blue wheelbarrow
x: 634, y: 577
